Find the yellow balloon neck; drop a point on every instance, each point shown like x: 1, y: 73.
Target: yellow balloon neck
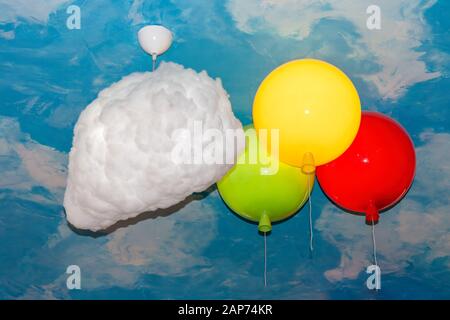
x: 308, y: 164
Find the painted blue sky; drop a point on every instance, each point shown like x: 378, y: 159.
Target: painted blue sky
x: 50, y: 73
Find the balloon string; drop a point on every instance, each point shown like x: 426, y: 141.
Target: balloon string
x: 304, y: 197
x: 265, y: 259
x: 311, y: 234
x: 374, y: 243
x: 153, y: 64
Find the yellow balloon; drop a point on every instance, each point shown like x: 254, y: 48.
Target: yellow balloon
x: 316, y: 108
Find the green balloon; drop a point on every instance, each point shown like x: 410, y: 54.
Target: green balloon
x: 260, y: 197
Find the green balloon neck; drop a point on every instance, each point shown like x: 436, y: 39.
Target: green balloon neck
x: 264, y: 223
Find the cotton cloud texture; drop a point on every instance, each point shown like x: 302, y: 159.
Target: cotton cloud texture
x: 122, y: 161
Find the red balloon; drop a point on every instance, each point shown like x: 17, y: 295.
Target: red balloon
x: 375, y: 172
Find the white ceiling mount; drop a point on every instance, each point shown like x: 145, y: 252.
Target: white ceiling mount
x: 155, y: 39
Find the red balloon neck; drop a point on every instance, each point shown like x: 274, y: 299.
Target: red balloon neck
x: 372, y: 214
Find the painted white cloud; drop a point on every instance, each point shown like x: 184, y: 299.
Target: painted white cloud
x: 32, y: 10
x: 135, y: 12
x: 168, y: 245
x: 24, y: 163
x: 7, y: 35
x: 418, y: 227
x: 395, y: 46
x: 164, y: 245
